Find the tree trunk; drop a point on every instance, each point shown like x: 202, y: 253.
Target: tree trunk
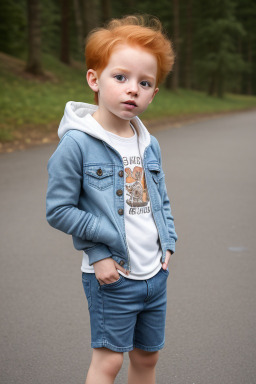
x: 175, y: 74
x: 188, y: 61
x: 220, y: 76
x: 64, y: 50
x: 91, y: 15
x: 79, y: 25
x: 212, y: 84
x: 106, y: 10
x: 34, y: 64
x: 239, y: 88
x: 249, y: 75
x: 220, y: 91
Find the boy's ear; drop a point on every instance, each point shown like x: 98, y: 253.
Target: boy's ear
x: 155, y: 92
x: 92, y: 80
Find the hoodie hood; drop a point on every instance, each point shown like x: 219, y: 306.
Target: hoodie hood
x: 79, y: 116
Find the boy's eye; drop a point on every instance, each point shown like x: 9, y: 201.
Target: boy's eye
x: 120, y: 77
x: 145, y: 83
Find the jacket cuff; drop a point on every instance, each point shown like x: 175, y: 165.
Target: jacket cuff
x: 97, y: 253
x: 171, y: 246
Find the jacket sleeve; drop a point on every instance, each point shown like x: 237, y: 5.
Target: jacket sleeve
x: 65, y: 169
x: 167, y: 211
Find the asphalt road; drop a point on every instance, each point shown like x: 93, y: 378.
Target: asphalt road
x: 210, y: 169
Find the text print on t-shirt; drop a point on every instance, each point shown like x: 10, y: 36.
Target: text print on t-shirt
x: 136, y: 188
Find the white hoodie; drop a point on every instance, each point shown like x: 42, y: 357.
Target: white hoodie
x: 78, y: 116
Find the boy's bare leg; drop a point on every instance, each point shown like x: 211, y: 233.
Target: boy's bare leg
x: 104, y: 366
x: 142, y: 367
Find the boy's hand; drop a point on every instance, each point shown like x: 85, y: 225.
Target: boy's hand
x: 167, y: 258
x: 106, y: 271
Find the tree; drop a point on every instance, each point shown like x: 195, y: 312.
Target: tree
x: 13, y: 20
x: 65, y: 15
x: 79, y: 24
x: 34, y: 64
x: 189, y: 48
x: 91, y: 15
x: 106, y: 10
x: 246, y: 14
x: 219, y: 60
x: 176, y: 42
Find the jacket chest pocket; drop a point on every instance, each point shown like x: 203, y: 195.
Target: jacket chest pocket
x: 99, y: 176
x: 155, y: 171
x: 157, y: 175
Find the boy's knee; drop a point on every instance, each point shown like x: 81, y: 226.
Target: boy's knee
x: 113, y: 364
x: 108, y: 362
x: 144, y: 359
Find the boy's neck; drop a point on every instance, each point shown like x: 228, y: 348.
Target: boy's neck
x: 114, y: 125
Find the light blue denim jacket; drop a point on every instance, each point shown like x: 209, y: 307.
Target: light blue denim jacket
x: 85, y: 173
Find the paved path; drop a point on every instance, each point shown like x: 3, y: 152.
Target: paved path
x: 211, y: 326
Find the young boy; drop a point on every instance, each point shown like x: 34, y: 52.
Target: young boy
x: 107, y: 189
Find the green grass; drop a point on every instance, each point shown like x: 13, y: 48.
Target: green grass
x: 5, y: 135
x: 186, y: 102
x: 26, y: 102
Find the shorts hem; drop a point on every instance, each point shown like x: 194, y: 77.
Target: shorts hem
x: 106, y: 344
x: 148, y: 348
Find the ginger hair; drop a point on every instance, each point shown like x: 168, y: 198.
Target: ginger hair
x: 137, y: 31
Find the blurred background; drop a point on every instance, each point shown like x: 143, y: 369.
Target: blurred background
x: 42, y: 59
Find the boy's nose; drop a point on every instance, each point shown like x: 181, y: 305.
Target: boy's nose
x: 133, y: 88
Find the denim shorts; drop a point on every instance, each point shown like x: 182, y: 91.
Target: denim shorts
x: 128, y: 313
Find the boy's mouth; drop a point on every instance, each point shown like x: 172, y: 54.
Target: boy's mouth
x: 130, y: 103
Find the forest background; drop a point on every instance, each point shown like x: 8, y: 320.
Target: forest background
x: 42, y: 59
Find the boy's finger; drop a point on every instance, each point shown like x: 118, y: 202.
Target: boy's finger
x: 167, y: 259
x: 164, y: 265
x: 121, y: 268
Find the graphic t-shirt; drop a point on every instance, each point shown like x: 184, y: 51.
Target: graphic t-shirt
x: 141, y: 231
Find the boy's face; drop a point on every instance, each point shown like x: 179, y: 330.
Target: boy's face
x: 127, y: 85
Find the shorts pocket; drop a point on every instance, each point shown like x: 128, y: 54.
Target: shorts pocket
x: 87, y: 290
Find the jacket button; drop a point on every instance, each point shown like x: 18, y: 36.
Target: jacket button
x: 99, y: 172
x: 119, y: 192
x: 120, y: 211
x: 121, y: 263
x: 121, y: 173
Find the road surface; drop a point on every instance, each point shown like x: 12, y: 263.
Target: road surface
x: 211, y: 325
